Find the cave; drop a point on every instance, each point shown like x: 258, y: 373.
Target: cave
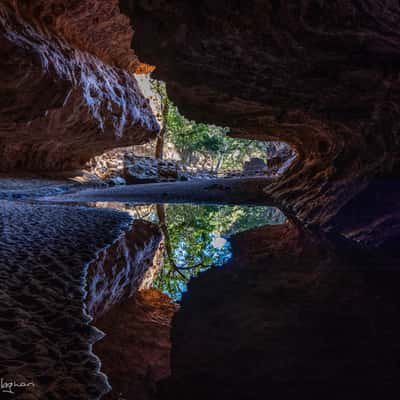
x: 199, y: 199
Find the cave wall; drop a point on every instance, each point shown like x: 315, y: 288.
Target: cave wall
x: 121, y: 269
x: 321, y: 76
x: 135, y: 353
x: 68, y: 89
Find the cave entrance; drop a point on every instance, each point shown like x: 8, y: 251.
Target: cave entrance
x: 186, y: 150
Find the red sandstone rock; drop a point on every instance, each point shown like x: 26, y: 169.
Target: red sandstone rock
x: 64, y: 100
x: 135, y: 353
x: 120, y: 269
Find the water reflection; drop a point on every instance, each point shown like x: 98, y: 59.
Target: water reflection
x: 196, y: 237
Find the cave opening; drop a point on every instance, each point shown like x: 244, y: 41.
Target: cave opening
x: 186, y: 150
x: 236, y: 238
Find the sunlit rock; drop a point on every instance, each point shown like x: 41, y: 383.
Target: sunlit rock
x: 65, y: 100
x: 119, y: 270
x: 125, y: 164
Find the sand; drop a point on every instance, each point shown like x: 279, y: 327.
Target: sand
x: 45, y: 333
x: 233, y: 191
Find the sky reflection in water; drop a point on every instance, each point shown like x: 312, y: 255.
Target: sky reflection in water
x: 197, y: 236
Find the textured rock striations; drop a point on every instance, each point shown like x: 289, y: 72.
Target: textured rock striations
x: 67, y: 92
x: 119, y: 270
x: 322, y: 76
x: 53, y: 284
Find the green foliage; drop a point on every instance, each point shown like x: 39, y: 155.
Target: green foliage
x: 209, y: 143
x: 191, y: 230
x: 195, y: 235
x: 251, y: 217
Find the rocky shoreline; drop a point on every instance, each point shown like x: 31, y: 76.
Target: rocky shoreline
x: 49, y: 255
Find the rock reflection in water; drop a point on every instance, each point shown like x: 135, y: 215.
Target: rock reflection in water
x: 294, y: 314
x: 196, y: 237
x: 135, y: 353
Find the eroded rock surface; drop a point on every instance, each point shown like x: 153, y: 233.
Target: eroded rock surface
x: 68, y: 89
x: 321, y: 76
x: 45, y: 334
x: 119, y: 270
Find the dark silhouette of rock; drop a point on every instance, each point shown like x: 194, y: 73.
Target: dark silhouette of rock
x: 254, y: 165
x: 294, y: 314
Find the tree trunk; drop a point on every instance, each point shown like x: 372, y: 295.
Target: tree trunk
x: 160, y: 138
x: 167, y: 241
x: 219, y: 163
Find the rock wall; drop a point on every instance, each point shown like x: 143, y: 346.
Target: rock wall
x: 67, y: 91
x: 62, y: 267
x: 119, y: 270
x: 135, y: 352
x: 321, y: 76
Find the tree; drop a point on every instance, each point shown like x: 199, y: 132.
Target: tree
x: 211, y: 143
x: 202, y: 145
x: 160, y: 88
x: 196, y: 238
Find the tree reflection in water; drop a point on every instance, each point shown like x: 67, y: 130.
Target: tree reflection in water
x: 197, y: 237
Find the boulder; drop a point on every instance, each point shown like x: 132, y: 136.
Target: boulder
x: 123, y: 166
x: 149, y: 170
x: 255, y: 164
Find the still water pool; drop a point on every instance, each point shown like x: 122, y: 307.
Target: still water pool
x: 196, y: 237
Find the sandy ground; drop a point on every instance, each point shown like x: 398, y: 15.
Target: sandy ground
x: 245, y: 191
x: 13, y: 188
x: 45, y: 337
x: 27, y: 187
